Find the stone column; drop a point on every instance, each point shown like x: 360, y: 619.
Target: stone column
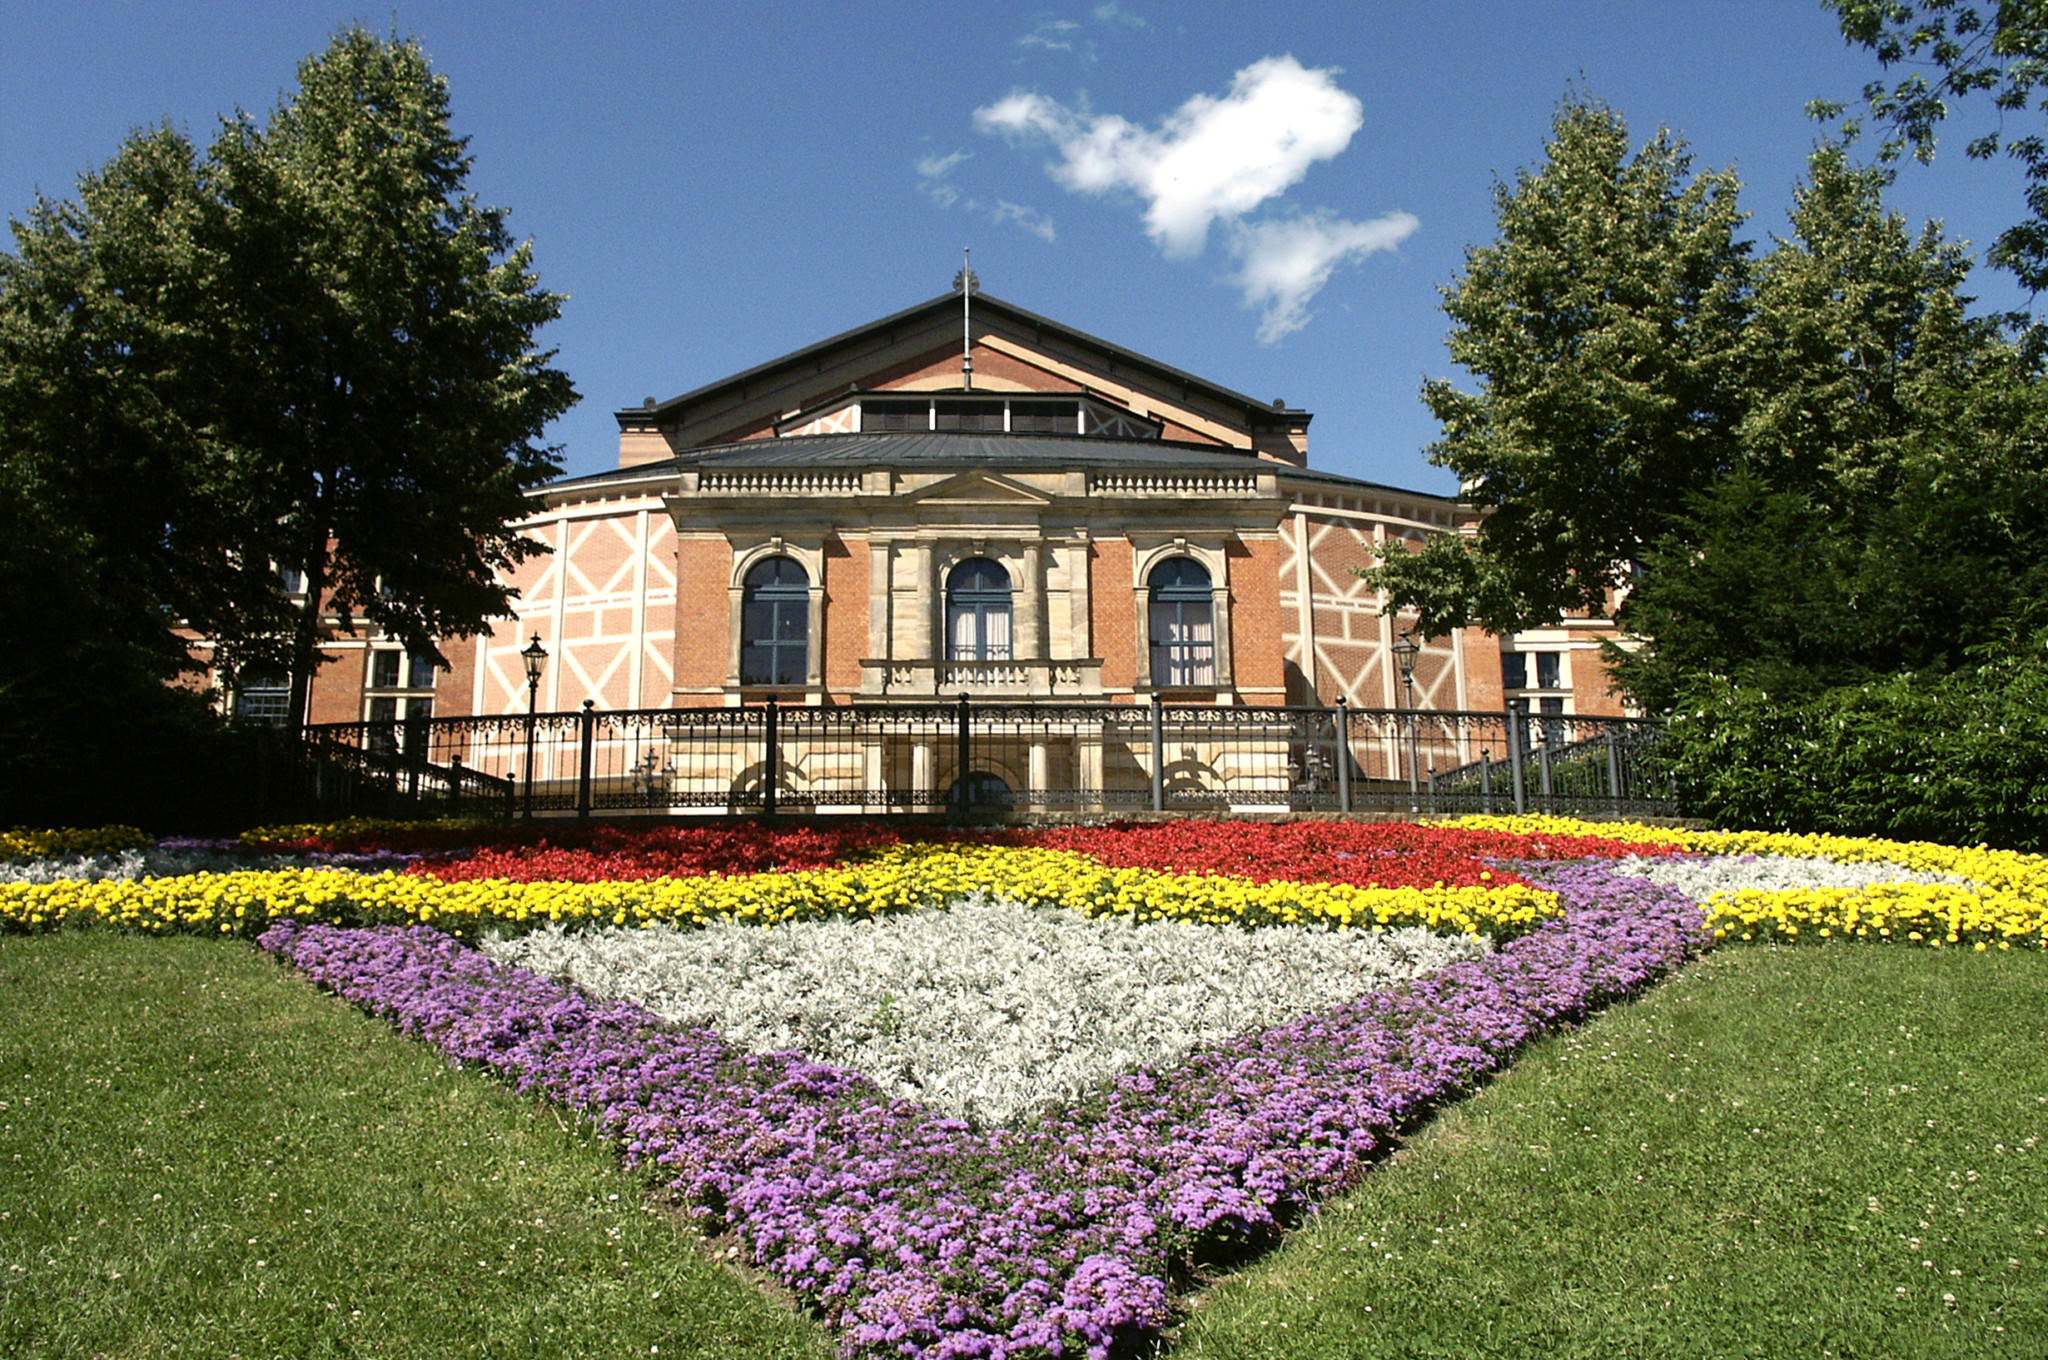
x: 1030, y: 600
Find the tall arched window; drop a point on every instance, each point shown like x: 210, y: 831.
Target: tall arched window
x: 978, y: 612
x: 775, y: 623
x: 1182, y: 623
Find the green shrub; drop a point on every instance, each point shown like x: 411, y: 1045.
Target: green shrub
x: 1959, y: 758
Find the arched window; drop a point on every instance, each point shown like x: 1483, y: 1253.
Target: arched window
x: 978, y: 612
x: 1182, y: 623
x: 775, y: 623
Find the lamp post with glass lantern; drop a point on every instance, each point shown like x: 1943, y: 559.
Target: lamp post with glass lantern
x: 1405, y: 652
x: 535, y: 658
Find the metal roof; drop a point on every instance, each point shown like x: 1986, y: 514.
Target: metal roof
x: 951, y: 301
x: 942, y: 450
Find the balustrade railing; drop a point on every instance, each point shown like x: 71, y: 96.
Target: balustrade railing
x: 1074, y: 757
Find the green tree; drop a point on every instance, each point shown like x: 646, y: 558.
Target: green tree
x: 1883, y: 517
x: 1997, y: 50
x: 1603, y: 328
x: 110, y: 385
x: 383, y: 325
x: 309, y: 349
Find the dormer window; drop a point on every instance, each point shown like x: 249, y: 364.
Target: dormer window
x: 889, y: 417
x: 1045, y: 417
x: 968, y: 415
x: 893, y: 414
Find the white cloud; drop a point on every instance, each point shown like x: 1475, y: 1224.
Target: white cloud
x: 1285, y: 261
x: 932, y: 172
x: 1031, y: 219
x: 1114, y: 13
x: 1211, y: 159
x: 938, y: 167
x: 1050, y: 35
x: 931, y: 178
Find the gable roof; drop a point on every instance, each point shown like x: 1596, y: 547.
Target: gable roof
x: 797, y: 380
x: 997, y: 454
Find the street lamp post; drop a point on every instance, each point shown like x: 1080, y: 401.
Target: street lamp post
x: 535, y: 658
x: 1405, y: 652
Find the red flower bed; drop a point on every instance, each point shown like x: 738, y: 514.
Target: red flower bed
x: 1383, y: 854
x: 1386, y: 854
x: 599, y: 854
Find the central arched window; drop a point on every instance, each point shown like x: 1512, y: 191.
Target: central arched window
x: 1182, y: 623
x: 775, y: 623
x: 978, y: 612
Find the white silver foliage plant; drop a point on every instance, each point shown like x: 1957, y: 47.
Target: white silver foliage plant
x: 130, y: 865
x: 990, y: 1009
x: 1703, y: 878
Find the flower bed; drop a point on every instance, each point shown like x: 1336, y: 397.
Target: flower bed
x: 21, y: 844
x: 1976, y: 897
x: 919, y: 1236
x: 917, y: 1233
x: 990, y: 1008
x: 889, y: 879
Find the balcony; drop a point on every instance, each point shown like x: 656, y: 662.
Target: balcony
x: 1022, y: 679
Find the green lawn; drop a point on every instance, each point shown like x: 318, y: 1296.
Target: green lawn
x: 200, y: 1155
x: 1828, y: 1151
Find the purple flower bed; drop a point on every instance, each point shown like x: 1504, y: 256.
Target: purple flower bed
x: 366, y: 861
x: 918, y: 1236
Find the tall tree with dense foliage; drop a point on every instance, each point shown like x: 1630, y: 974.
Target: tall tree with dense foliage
x: 383, y: 326
x: 1603, y: 328
x: 1883, y: 516
x: 1997, y: 51
x: 307, y: 350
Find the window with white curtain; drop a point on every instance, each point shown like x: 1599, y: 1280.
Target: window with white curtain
x: 1182, y: 623
x: 978, y: 611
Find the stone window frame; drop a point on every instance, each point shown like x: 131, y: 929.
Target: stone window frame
x: 807, y: 553
x: 1213, y: 559
x: 1022, y: 555
x: 787, y: 603
x: 1531, y: 695
x: 1009, y: 610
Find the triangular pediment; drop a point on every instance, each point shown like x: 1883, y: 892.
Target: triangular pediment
x: 978, y: 488
x: 1014, y: 352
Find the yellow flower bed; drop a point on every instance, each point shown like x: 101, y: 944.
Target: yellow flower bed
x: 2004, y: 903
x: 262, y: 837
x: 897, y: 878
x: 24, y: 844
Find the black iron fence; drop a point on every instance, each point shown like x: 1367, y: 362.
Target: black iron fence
x: 994, y: 758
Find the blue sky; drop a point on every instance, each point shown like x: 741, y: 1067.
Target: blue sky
x: 1269, y: 195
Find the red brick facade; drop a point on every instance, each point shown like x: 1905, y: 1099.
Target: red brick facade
x: 639, y: 598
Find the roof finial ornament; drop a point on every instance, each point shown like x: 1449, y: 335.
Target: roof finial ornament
x: 966, y: 285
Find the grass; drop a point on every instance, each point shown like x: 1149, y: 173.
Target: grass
x: 202, y: 1156
x: 1825, y: 1151
x: 199, y: 1155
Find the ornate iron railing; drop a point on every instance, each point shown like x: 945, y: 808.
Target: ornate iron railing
x: 998, y: 758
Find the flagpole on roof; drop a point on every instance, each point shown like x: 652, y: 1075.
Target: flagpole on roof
x: 965, y: 284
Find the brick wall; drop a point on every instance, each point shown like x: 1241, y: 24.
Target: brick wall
x: 1255, y: 619
x: 1109, y: 607
x: 846, y: 614
x: 703, y: 612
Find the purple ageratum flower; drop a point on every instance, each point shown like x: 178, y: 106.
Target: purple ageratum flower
x: 367, y: 861
x: 917, y: 1235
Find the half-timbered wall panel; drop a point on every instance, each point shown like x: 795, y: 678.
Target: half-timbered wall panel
x: 1336, y: 638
